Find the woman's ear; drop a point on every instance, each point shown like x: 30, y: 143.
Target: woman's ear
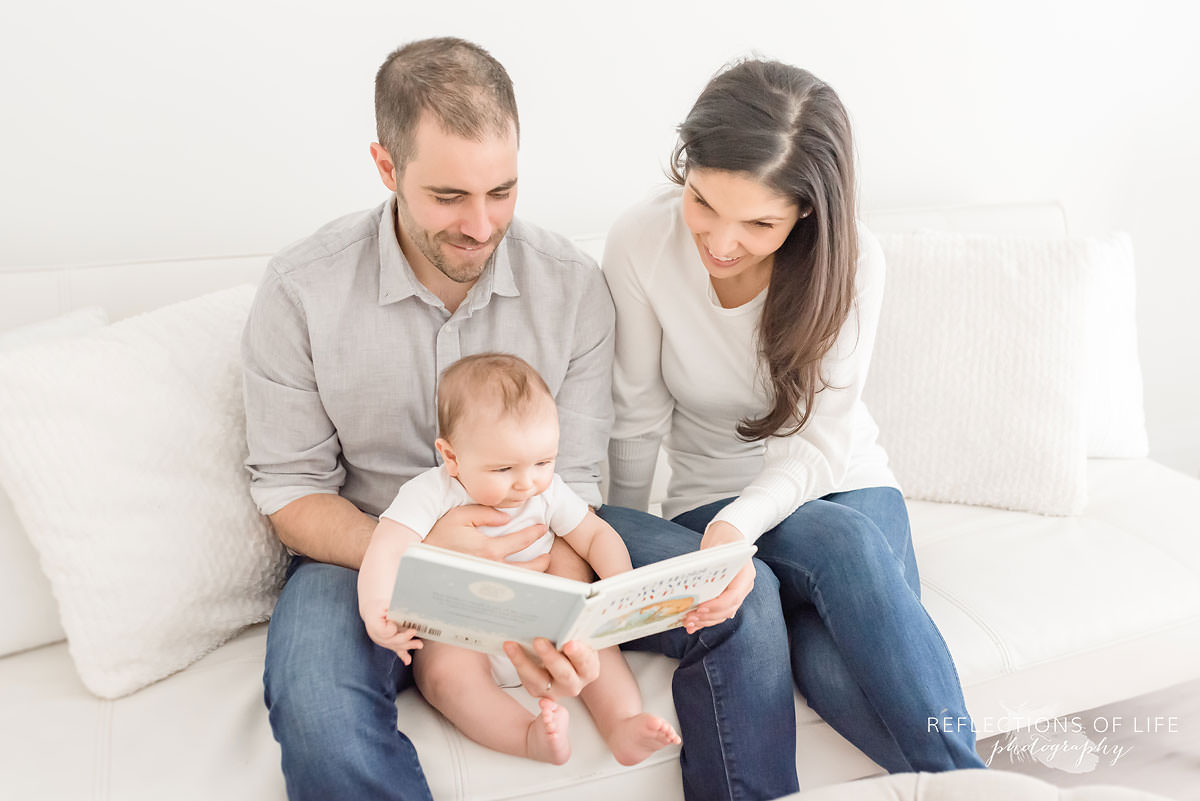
x: 448, y: 456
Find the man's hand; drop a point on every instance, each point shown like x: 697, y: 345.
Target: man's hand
x: 457, y: 531
x: 562, y: 674
x: 725, y: 605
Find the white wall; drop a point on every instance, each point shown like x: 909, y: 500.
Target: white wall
x: 143, y: 129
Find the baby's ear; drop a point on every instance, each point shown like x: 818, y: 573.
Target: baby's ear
x: 448, y: 455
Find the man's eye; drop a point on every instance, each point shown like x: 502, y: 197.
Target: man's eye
x: 446, y: 201
x: 499, y: 195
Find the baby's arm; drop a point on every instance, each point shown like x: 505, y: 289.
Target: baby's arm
x: 600, y: 545
x: 376, y: 578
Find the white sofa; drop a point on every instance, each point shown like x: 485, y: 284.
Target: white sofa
x: 1045, y: 616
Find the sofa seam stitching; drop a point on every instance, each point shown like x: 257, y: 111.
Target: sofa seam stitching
x: 1005, y: 656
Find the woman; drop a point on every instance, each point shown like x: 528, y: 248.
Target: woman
x: 747, y: 300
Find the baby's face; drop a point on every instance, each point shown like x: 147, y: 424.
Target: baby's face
x: 504, y: 460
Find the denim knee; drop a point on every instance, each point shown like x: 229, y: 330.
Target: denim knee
x: 828, y: 540
x: 321, y: 669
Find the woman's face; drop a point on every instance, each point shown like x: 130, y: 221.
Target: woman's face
x: 736, y: 222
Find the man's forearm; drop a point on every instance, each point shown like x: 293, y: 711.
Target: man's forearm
x: 327, y: 528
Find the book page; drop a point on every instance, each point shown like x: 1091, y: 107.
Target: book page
x: 656, y: 597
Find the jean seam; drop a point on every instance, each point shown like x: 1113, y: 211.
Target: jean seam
x: 713, y: 678
x: 818, y: 602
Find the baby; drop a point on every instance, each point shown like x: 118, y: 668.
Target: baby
x: 499, y: 439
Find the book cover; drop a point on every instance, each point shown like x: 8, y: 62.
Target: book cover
x: 479, y: 604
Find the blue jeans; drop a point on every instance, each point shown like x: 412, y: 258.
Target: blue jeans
x: 331, y: 694
x: 330, y: 691
x: 864, y: 652
x: 732, y: 688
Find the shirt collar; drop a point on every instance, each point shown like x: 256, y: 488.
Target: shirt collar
x: 397, y: 280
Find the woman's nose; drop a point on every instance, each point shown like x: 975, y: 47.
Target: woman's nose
x: 722, y: 243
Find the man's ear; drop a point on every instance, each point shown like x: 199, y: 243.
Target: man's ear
x: 385, y: 165
x: 448, y: 455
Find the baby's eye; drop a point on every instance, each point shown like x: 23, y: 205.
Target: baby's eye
x: 545, y: 462
x: 501, y: 469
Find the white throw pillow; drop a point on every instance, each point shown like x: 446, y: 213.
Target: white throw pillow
x: 30, y: 612
x: 123, y: 456
x: 978, y: 371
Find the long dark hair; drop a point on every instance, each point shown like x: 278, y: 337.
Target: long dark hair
x: 788, y: 130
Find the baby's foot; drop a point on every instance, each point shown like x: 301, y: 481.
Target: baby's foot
x: 547, y: 736
x: 636, y: 738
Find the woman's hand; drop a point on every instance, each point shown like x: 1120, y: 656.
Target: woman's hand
x: 561, y: 674
x: 725, y: 605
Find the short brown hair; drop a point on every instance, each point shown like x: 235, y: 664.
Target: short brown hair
x: 460, y: 83
x: 493, y: 379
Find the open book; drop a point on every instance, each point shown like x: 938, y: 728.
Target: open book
x: 479, y: 604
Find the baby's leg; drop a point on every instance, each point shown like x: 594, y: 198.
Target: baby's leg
x: 615, y: 703
x: 458, y: 683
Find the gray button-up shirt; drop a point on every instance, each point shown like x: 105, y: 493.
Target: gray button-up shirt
x: 344, y: 346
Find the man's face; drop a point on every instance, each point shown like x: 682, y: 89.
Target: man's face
x: 455, y: 199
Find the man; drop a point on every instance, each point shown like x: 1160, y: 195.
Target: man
x: 345, y: 341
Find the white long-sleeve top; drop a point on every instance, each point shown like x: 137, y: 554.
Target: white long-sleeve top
x: 688, y: 369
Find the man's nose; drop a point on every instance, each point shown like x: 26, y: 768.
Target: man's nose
x: 475, y: 222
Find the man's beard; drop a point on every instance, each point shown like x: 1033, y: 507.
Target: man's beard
x: 430, y: 245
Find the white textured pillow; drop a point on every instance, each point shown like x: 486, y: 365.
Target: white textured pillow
x: 31, y: 614
x: 123, y: 456
x: 978, y: 372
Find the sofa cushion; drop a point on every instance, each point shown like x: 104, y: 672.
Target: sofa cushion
x: 123, y: 457
x: 1048, y: 616
x: 1022, y: 642
x: 977, y: 377
x: 32, y: 613
x: 977, y: 785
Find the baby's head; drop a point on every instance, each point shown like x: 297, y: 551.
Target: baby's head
x: 498, y: 428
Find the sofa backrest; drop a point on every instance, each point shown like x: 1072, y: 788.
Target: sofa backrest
x: 31, y: 294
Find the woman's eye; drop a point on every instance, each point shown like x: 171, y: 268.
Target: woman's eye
x: 764, y: 225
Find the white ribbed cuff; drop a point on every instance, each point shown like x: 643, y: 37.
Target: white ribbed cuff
x: 776, y: 493
x: 631, y: 465
x: 748, y: 514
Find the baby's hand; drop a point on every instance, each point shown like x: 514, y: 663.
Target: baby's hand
x: 388, y: 634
